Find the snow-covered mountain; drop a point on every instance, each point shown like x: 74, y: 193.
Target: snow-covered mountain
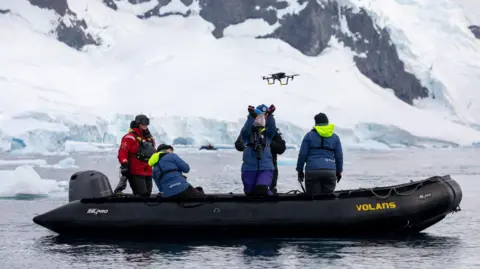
x: 471, y: 9
x: 393, y: 72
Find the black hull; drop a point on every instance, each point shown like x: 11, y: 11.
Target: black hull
x: 205, y: 148
x: 395, y: 210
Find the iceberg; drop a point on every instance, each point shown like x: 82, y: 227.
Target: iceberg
x: 25, y: 183
x: 196, y: 131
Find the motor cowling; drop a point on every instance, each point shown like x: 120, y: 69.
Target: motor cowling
x: 88, y: 184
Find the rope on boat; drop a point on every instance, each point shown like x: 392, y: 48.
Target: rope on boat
x: 294, y: 192
x: 394, y: 189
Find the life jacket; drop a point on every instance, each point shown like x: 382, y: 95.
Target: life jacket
x: 322, y: 146
x: 146, y: 148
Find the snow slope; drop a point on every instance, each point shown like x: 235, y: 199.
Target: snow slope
x: 435, y: 43
x: 194, y: 85
x: 471, y: 8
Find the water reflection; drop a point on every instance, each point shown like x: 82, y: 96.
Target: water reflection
x: 137, y: 251
x: 324, y: 249
x: 420, y: 241
x: 145, y: 250
x: 267, y: 248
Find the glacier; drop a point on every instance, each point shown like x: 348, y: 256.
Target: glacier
x: 196, y: 87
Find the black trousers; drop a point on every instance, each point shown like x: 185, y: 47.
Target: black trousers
x: 190, y: 192
x: 140, y: 185
x: 273, y: 186
x: 320, y: 181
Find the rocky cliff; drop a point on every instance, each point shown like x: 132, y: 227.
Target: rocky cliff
x: 475, y: 30
x: 70, y: 29
x: 309, y: 31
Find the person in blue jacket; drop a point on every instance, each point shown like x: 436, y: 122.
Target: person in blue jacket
x: 167, y: 172
x: 277, y: 147
x: 257, y: 167
x: 321, y: 149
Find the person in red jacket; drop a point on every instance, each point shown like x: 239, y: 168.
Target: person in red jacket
x: 135, y: 150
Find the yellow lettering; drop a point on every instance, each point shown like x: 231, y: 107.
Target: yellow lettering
x: 377, y: 206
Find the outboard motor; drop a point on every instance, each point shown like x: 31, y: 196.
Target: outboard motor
x: 88, y: 184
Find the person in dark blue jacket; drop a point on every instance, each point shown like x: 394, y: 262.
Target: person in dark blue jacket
x: 167, y: 174
x: 257, y: 167
x: 277, y: 146
x: 321, y: 149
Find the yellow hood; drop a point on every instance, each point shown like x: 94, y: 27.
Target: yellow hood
x: 324, y: 130
x: 154, y: 159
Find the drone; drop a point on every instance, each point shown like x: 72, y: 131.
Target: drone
x: 279, y: 77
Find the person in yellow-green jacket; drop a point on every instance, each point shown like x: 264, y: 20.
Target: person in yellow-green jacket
x: 321, y: 150
x: 167, y: 173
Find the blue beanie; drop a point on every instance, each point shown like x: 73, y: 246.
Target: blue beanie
x: 261, y: 108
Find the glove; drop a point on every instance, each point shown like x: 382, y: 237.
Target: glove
x: 118, y: 193
x: 271, y: 109
x: 239, y: 146
x: 301, y: 176
x: 124, y: 169
x: 339, y: 176
x: 251, y: 112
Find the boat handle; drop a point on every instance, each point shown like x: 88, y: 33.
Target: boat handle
x: 189, y: 206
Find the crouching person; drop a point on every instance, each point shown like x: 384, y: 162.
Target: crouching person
x: 321, y: 150
x: 167, y: 174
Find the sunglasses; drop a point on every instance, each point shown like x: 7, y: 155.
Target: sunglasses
x: 144, y: 121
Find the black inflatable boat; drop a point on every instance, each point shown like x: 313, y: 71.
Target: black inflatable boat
x: 207, y: 147
x: 400, y: 209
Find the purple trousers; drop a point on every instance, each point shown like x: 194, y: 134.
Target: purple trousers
x: 251, y: 179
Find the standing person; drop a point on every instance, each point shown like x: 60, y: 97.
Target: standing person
x: 136, y: 148
x: 321, y: 149
x: 256, y: 134
x: 277, y: 146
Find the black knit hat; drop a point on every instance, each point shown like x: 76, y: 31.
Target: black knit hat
x: 164, y: 147
x: 321, y: 118
x: 142, y: 119
x: 134, y: 124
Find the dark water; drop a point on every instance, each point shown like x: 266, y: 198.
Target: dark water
x: 452, y: 243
